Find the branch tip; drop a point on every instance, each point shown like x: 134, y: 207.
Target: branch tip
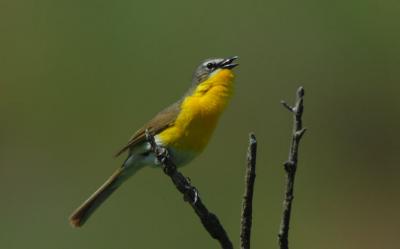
x: 252, y: 138
x: 300, y: 92
x: 287, y: 106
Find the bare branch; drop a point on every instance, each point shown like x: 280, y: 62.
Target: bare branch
x: 291, y: 167
x: 209, y: 220
x: 247, y: 203
x: 287, y: 106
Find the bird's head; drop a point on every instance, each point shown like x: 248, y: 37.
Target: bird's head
x: 213, y: 68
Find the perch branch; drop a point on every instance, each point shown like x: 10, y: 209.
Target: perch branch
x: 247, y: 203
x: 291, y: 166
x: 209, y: 220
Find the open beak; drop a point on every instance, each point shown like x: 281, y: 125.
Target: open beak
x: 228, y: 63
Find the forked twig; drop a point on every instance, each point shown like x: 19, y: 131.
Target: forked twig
x: 291, y: 166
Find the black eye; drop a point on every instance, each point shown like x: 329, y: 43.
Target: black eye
x: 210, y: 65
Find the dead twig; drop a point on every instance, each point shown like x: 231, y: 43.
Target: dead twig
x: 247, y: 203
x: 291, y: 166
x: 209, y: 220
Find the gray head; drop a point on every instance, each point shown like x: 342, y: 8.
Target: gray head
x: 207, y: 67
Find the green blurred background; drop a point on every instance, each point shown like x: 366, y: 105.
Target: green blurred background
x: 77, y: 78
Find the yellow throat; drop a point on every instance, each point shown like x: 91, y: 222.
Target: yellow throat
x: 199, y: 113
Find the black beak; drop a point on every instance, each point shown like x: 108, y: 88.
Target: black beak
x: 227, y: 63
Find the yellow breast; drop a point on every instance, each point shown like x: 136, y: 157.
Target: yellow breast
x: 199, y: 114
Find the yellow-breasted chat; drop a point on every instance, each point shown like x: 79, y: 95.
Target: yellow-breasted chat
x: 184, y: 129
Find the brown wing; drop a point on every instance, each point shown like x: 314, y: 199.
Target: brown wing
x: 160, y: 122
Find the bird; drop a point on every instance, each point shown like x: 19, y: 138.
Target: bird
x: 184, y: 129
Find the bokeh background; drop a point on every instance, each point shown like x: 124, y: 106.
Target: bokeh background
x: 77, y: 78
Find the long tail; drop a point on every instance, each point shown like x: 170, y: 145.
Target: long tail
x: 82, y: 213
